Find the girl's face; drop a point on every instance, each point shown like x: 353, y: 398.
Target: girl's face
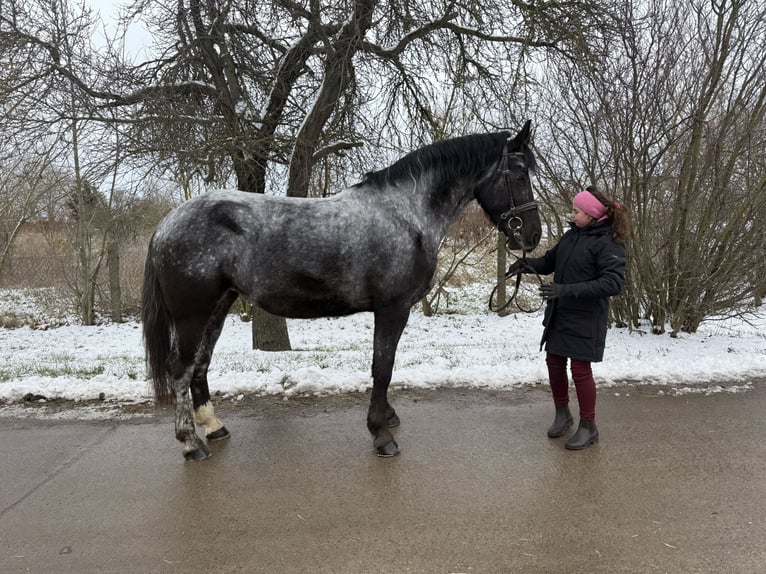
x: 580, y: 218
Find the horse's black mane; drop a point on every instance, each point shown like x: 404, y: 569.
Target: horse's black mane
x: 454, y: 158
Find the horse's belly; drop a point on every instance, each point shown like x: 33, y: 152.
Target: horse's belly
x: 308, y: 307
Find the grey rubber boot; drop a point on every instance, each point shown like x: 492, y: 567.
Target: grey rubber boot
x: 562, y: 422
x: 586, y: 435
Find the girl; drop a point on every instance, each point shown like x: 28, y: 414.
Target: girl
x: 588, y: 266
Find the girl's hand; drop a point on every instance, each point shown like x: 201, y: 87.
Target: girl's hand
x: 551, y: 291
x: 515, y: 267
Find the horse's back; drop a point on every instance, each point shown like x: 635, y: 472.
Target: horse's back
x: 298, y: 257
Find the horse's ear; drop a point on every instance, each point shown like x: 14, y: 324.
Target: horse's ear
x: 522, y: 138
x: 525, y: 135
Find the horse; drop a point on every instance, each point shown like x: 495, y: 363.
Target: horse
x: 371, y: 247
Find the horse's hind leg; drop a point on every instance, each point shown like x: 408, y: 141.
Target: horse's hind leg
x: 194, y: 447
x: 204, y: 413
x: 195, y: 338
x: 389, y: 325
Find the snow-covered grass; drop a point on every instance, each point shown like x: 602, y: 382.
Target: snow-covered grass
x: 472, y: 348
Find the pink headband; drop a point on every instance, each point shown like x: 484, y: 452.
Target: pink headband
x: 586, y: 202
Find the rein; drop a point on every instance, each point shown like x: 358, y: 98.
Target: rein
x: 513, y: 299
x: 510, y: 223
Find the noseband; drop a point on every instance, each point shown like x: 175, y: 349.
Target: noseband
x: 510, y: 223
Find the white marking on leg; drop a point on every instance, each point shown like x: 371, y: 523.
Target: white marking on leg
x: 205, y: 416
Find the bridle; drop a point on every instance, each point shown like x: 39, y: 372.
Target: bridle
x: 510, y: 224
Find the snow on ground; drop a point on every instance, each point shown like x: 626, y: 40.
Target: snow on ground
x: 474, y: 349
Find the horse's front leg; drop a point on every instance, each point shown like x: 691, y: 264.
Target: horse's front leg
x: 389, y: 324
x: 392, y: 419
x: 204, y: 413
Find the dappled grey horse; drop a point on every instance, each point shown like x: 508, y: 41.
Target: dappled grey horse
x: 372, y: 247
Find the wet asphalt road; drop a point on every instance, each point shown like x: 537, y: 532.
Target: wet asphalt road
x: 677, y: 484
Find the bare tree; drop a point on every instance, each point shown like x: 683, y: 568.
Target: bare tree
x: 24, y: 183
x: 670, y: 125
x: 239, y: 90
x: 28, y: 151
x: 48, y: 114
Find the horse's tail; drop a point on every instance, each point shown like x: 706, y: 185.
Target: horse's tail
x: 158, y: 334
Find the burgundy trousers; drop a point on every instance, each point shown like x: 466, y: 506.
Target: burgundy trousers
x: 585, y: 386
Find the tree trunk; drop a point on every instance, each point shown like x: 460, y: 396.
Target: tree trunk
x: 84, y: 283
x: 87, y: 297
x: 502, y: 265
x: 115, y: 290
x: 338, y: 74
x: 269, y: 331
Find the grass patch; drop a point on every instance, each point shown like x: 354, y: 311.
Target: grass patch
x: 13, y: 320
x: 68, y: 371
x: 53, y: 371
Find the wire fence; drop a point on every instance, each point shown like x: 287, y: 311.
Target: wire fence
x: 35, y: 265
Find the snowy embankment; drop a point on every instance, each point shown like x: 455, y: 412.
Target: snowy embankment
x: 474, y: 350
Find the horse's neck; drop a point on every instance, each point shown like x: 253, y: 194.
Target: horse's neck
x: 435, y: 215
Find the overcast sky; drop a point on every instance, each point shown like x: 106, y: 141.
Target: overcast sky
x: 138, y: 38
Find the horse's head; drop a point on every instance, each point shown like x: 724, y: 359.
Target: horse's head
x: 507, y: 194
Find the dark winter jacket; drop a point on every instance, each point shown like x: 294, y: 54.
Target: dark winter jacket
x: 590, y: 267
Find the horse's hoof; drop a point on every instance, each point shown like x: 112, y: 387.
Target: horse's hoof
x: 197, y: 454
x: 389, y: 450
x: 221, y: 434
x: 393, y: 421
